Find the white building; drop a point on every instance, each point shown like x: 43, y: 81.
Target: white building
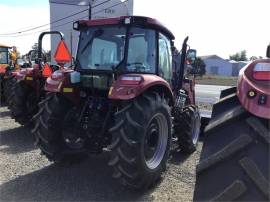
x: 216, y: 65
x: 61, y: 9
x: 237, y: 65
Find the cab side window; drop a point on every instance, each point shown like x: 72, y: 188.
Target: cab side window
x: 165, y: 58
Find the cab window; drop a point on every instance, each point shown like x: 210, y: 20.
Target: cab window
x: 141, y: 51
x: 3, y: 56
x: 165, y: 58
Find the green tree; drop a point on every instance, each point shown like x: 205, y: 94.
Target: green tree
x: 46, y: 55
x: 239, y: 56
x: 34, y: 54
x: 243, y: 55
x: 197, y: 68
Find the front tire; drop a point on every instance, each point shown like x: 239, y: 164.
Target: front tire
x: 187, y: 129
x: 141, y: 140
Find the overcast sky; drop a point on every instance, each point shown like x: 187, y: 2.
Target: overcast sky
x: 220, y: 27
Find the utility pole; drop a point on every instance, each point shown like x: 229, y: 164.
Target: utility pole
x: 89, y: 11
x: 71, y: 45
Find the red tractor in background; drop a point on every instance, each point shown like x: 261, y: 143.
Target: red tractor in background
x: 10, y: 78
x: 235, y: 158
x: 125, y: 96
x: 28, y: 91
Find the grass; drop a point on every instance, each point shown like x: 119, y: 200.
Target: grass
x: 217, y: 80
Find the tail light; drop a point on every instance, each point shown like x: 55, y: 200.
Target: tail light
x: 261, y: 71
x: 131, y: 80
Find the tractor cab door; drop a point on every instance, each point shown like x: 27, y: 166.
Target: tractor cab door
x: 3, y: 59
x: 3, y: 55
x: 165, y: 58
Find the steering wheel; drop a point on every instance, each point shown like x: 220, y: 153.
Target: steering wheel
x: 138, y: 66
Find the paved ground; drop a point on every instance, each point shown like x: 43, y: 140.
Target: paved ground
x: 27, y: 176
x: 206, y: 96
x: 209, y: 93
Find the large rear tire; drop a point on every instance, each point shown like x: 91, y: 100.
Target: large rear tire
x: 7, y: 87
x: 141, y: 140
x: 234, y: 163
x: 24, y: 103
x: 49, y: 124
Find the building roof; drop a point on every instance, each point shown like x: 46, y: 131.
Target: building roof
x: 205, y: 57
x: 233, y: 61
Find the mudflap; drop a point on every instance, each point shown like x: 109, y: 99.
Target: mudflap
x: 226, y: 92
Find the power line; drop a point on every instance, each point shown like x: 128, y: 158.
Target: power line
x: 53, y: 22
x: 56, y: 26
x: 31, y: 33
x: 74, y: 14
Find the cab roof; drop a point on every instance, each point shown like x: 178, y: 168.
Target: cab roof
x: 133, y: 20
x: 4, y: 46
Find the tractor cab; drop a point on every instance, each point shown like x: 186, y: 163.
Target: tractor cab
x: 4, y: 57
x: 127, y: 45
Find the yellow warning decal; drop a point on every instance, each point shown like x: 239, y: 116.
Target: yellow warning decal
x: 28, y: 78
x: 67, y: 90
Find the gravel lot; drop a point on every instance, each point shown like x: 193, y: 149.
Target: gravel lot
x: 28, y: 176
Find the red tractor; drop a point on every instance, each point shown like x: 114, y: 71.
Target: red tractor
x: 28, y: 91
x: 125, y: 96
x: 234, y: 164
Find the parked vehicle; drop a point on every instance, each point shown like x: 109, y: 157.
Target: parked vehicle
x: 122, y: 97
x: 234, y: 164
x: 28, y: 91
x: 8, y: 64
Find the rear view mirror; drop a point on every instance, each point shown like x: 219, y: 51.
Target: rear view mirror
x: 268, y: 51
x: 191, y: 55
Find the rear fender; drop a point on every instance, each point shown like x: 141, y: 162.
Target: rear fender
x: 122, y: 90
x: 9, y: 73
x: 59, y: 82
x: 254, y: 95
x: 27, y: 75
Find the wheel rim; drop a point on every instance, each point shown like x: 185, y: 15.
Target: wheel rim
x: 196, y: 124
x: 155, y: 143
